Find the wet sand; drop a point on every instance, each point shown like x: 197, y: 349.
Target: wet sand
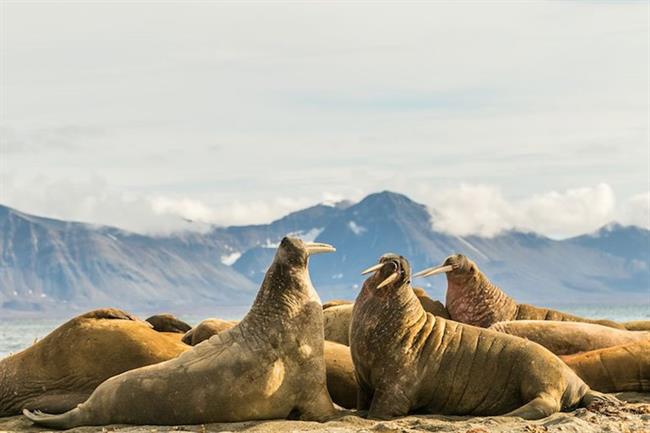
x: 632, y: 417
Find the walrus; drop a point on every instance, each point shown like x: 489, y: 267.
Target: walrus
x: 409, y: 360
x: 62, y: 370
x: 270, y: 365
x: 168, y: 323
x: 637, y: 325
x: 341, y: 381
x: 566, y: 338
x: 335, y: 302
x: 614, y: 369
x: 338, y: 317
x: 336, y: 321
x: 474, y: 300
x: 206, y: 329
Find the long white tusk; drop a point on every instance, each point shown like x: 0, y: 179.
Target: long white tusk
x: 373, y: 268
x: 318, y: 247
x: 392, y: 277
x: 434, y: 270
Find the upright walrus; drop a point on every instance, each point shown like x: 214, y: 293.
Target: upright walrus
x: 474, y: 300
x: 270, y: 365
x: 64, y: 368
x: 409, y: 360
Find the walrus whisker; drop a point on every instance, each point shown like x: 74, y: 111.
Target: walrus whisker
x: 373, y: 268
x: 434, y: 270
x: 318, y: 247
x: 392, y: 277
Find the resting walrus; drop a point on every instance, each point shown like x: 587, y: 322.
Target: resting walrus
x: 474, y: 300
x: 409, y: 360
x: 566, y: 338
x: 614, y: 369
x: 62, y: 370
x: 206, y: 329
x: 270, y: 365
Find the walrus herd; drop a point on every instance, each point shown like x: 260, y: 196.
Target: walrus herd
x: 392, y: 352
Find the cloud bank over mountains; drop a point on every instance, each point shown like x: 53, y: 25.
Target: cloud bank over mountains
x: 467, y: 209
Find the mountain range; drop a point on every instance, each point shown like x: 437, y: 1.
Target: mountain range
x: 49, y: 265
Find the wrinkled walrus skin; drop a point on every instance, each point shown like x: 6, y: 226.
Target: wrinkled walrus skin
x: 409, y: 360
x: 341, y: 381
x: 614, y: 369
x: 269, y: 366
x: 473, y: 299
x: 566, y: 338
x: 62, y: 370
x: 338, y: 317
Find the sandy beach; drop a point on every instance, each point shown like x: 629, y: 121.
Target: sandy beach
x: 632, y: 417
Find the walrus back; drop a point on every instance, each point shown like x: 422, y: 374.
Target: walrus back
x: 614, y: 369
x: 530, y: 312
x: 518, y: 368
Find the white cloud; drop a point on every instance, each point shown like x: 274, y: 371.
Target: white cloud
x: 636, y: 211
x: 94, y: 201
x: 484, y: 210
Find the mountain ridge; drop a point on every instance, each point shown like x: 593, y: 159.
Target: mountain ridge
x: 48, y: 264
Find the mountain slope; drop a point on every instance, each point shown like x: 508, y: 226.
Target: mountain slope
x: 50, y: 264
x: 47, y: 263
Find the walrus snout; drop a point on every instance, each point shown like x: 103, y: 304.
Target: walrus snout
x: 296, y: 251
x: 452, y: 264
x: 391, y: 268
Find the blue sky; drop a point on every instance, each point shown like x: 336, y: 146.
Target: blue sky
x: 497, y: 114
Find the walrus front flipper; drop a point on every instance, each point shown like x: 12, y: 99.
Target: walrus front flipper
x: 63, y: 421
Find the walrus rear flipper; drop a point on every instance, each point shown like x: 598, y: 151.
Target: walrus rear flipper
x: 63, y: 421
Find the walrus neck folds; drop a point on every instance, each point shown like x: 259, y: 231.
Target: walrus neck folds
x: 278, y: 301
x: 399, y: 309
x: 473, y: 299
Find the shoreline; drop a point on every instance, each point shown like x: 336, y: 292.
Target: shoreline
x: 632, y: 417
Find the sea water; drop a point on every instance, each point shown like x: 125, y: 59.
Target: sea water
x: 19, y: 333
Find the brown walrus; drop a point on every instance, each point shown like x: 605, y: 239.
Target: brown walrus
x: 270, y: 365
x: 614, y: 369
x: 206, y: 329
x: 637, y: 325
x: 335, y: 302
x: 474, y: 300
x: 62, y: 370
x: 168, y: 323
x: 566, y: 338
x: 409, y: 360
x: 341, y: 381
x: 338, y: 317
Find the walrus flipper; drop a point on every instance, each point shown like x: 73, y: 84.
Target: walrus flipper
x: 63, y: 421
x: 109, y: 313
x: 538, y: 408
x: 594, y: 396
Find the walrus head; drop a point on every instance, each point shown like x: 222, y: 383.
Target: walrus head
x: 456, y: 265
x: 391, y: 271
x: 296, y: 252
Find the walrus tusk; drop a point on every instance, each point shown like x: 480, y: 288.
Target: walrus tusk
x: 318, y: 247
x: 373, y: 268
x: 434, y: 270
x: 392, y: 277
